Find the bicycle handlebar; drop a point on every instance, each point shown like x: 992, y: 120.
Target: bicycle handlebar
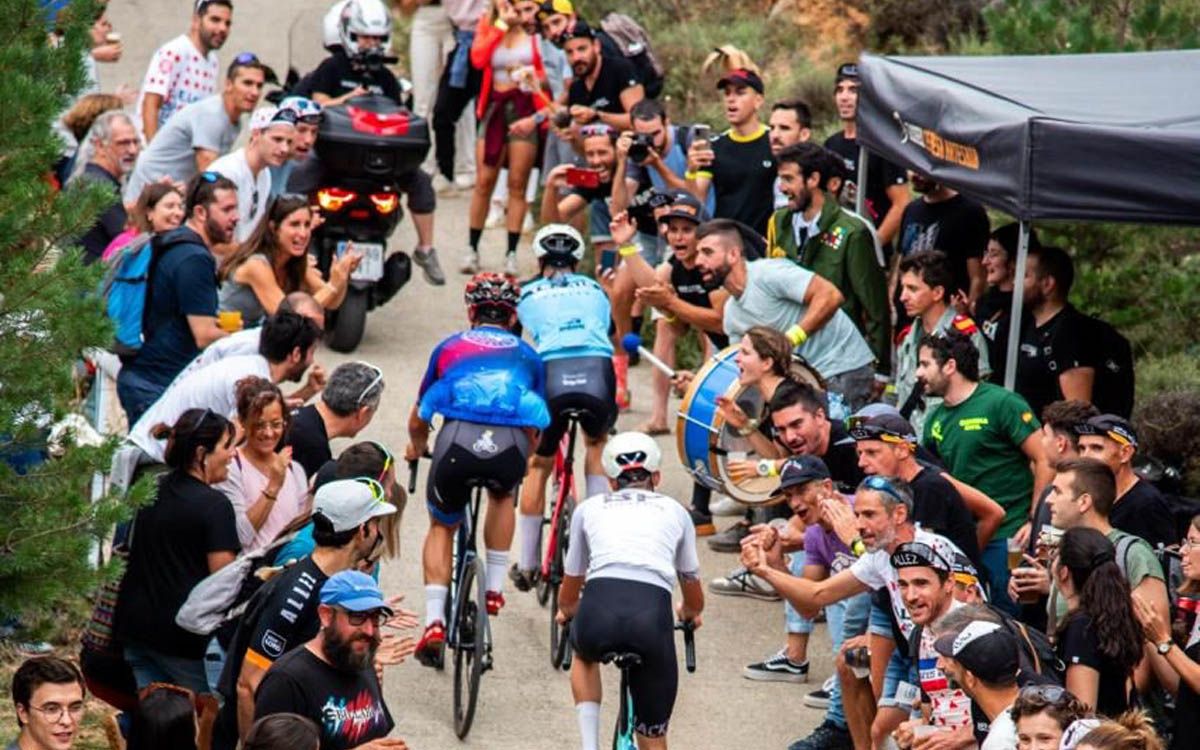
x: 689, y: 644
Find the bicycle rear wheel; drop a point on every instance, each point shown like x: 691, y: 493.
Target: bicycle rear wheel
x: 472, y: 647
x: 560, y: 644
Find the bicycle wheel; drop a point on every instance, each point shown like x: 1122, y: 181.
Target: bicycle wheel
x: 559, y: 634
x: 472, y: 647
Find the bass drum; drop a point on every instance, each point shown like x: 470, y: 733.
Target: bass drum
x: 706, y: 444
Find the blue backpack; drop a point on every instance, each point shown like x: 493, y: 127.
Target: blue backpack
x: 124, y: 293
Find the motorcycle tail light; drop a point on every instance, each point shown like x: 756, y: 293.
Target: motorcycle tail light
x: 385, y: 203
x: 334, y: 199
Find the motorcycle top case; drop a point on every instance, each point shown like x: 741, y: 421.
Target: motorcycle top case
x: 372, y: 137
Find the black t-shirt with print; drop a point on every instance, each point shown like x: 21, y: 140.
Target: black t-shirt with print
x: 992, y: 313
x: 841, y: 458
x: 881, y: 175
x: 743, y: 179
x: 616, y: 75
x: 337, y: 75
x: 1078, y: 644
x: 957, y: 227
x: 308, y: 439
x: 347, y: 707
x: 1047, y: 351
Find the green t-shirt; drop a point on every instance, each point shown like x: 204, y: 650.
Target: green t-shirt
x: 1138, y: 565
x: 979, y: 440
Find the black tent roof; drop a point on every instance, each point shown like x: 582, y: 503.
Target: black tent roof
x: 1101, y: 137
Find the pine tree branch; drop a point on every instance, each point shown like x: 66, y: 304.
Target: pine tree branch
x: 10, y: 544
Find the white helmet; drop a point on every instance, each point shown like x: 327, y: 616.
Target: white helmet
x: 630, y: 450
x: 331, y: 25
x: 558, y: 245
x: 366, y: 18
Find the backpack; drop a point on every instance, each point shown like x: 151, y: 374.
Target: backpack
x: 1112, y: 392
x: 123, y: 290
x: 1172, y: 566
x: 223, y: 596
x: 633, y: 41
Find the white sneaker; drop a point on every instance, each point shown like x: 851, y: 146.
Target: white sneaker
x: 742, y: 582
x: 464, y: 181
x: 470, y: 263
x: 495, y: 217
x: 510, y: 264
x: 442, y: 186
x: 529, y: 225
x: 726, y: 506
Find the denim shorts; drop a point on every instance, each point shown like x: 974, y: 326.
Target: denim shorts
x: 880, y: 622
x: 899, y: 669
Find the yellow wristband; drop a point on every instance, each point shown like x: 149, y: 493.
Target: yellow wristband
x: 501, y: 24
x: 691, y: 175
x: 797, y: 335
x: 626, y: 250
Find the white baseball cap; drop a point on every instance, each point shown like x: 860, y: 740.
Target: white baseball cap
x: 349, y: 503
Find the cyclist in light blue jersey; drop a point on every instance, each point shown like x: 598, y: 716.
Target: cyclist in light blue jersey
x: 568, y: 316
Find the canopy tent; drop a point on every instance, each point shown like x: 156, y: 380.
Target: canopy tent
x: 1104, y: 137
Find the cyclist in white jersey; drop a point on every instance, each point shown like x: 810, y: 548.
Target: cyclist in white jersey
x: 630, y: 545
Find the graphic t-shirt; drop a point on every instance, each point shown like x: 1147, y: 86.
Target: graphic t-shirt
x: 348, y: 707
x: 949, y: 707
x: 743, y: 178
x: 180, y: 75
x: 616, y: 75
x: 979, y: 441
x: 874, y: 570
x: 1047, y: 351
x: 992, y: 315
x: 957, y: 227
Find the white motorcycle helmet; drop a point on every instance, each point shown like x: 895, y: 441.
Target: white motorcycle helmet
x: 330, y: 25
x: 558, y: 244
x: 365, y: 18
x: 630, y: 450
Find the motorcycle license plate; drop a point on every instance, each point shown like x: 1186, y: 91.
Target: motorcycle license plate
x: 371, y: 266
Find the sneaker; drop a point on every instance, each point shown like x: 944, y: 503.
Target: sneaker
x: 819, y: 699
x: 730, y: 540
x: 429, y: 648
x: 776, y: 668
x: 495, y: 602
x: 524, y: 580
x: 428, y: 261
x: 726, y: 506
x: 495, y: 217
x: 464, y: 181
x: 442, y: 186
x: 510, y: 264
x: 470, y: 263
x: 742, y: 582
x: 704, y: 524
x: 828, y: 736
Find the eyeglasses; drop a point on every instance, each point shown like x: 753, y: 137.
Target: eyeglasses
x: 371, y: 386
x: 587, y: 131
x: 274, y: 424
x: 54, y: 711
x: 388, y: 460
x: 1189, y: 544
x: 378, y: 618
x: 882, y: 484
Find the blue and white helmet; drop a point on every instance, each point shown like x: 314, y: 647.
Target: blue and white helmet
x: 306, y: 109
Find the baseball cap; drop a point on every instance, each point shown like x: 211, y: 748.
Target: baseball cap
x: 799, y: 470
x: 349, y: 503
x: 1114, y: 427
x: 578, y: 30
x: 353, y: 591
x: 685, y: 206
x: 741, y: 77
x: 550, y: 7
x: 890, y: 428
x: 963, y: 570
x: 986, y: 649
x: 268, y: 117
x: 847, y: 71
x: 305, y: 108
x: 921, y: 555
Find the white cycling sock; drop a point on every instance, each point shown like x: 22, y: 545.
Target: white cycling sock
x: 435, y: 603
x: 595, y: 484
x: 531, y: 541
x: 588, y: 714
x: 497, y: 567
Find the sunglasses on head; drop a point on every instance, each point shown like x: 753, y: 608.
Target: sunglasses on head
x: 388, y: 460
x: 881, y: 484
x: 370, y: 386
x: 377, y: 490
x: 246, y: 58
x: 587, y: 131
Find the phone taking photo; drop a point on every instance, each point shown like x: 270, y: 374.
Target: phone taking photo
x: 700, y: 131
x: 580, y: 177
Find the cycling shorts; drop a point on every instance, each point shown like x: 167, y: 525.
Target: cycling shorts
x: 620, y: 616
x: 586, y: 384
x: 467, y: 454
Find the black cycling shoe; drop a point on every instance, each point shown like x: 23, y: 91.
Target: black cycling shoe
x: 524, y: 580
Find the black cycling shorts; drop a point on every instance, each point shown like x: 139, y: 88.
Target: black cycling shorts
x: 620, y: 616
x: 586, y: 384
x: 467, y: 454
x: 418, y: 186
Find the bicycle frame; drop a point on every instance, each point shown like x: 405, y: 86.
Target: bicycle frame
x: 464, y: 554
x: 564, y: 473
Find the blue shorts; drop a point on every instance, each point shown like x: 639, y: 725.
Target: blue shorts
x: 880, y: 623
x: 899, y: 669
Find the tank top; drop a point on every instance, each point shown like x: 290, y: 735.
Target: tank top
x: 507, y: 59
x: 235, y: 295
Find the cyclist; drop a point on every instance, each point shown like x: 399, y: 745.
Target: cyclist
x: 488, y: 385
x: 631, y: 544
x: 569, y: 318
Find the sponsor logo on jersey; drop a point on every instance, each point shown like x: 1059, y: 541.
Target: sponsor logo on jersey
x: 273, y: 644
x: 485, y: 444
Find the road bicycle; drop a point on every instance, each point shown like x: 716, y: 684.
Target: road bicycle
x: 623, y: 738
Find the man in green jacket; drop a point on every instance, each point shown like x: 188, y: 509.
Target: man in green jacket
x: 817, y: 233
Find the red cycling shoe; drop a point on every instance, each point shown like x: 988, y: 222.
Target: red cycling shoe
x: 495, y: 601
x: 429, y: 648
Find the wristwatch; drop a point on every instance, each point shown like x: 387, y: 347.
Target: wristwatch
x: 765, y: 468
x: 1164, y: 648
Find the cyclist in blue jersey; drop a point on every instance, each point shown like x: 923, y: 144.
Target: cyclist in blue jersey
x: 568, y: 317
x: 489, y: 387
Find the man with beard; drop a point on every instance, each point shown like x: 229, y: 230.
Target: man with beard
x: 814, y: 231
x: 333, y: 679
x: 185, y: 69
x: 987, y: 437
x: 605, y: 87
x: 114, y: 146
x: 180, y: 315
x: 285, y: 351
x: 776, y: 292
x: 790, y: 123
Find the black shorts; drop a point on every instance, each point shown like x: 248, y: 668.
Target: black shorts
x: 418, y: 186
x: 584, y: 384
x: 619, y: 616
x: 467, y: 454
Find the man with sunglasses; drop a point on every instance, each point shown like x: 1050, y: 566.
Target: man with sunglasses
x: 184, y: 70
x: 333, y: 679
x: 348, y: 403
x: 271, y: 133
x: 196, y: 135
x: 283, y: 614
x: 48, y: 693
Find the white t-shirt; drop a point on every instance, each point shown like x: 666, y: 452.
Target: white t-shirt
x: 635, y: 535
x: 213, y: 387
x: 253, y: 191
x: 1003, y: 733
x: 237, y: 344
x: 180, y: 75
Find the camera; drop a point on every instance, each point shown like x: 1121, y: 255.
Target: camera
x: 639, y: 150
x: 561, y: 119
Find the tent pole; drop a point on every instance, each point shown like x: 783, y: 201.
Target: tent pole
x: 1018, y: 302
x: 860, y: 196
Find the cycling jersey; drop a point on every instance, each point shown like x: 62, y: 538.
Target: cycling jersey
x: 485, y: 375
x: 567, y: 315
x: 634, y: 535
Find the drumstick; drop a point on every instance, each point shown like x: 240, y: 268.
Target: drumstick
x: 632, y: 342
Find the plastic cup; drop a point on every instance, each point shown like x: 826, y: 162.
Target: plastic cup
x: 113, y: 37
x: 1015, y: 554
x: 229, y: 321
x: 924, y: 730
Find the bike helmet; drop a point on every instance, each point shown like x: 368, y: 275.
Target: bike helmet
x: 558, y: 244
x: 306, y: 109
x: 364, y: 18
x: 627, y: 451
x: 491, y: 297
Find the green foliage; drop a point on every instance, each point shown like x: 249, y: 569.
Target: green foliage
x: 48, y: 314
x: 1058, y: 26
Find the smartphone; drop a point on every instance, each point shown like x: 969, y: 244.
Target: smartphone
x: 700, y: 131
x: 583, y: 178
x: 608, y: 260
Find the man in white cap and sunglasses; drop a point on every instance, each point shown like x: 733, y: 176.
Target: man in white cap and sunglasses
x: 982, y: 658
x: 271, y: 133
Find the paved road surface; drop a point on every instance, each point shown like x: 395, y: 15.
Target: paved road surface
x: 523, y: 703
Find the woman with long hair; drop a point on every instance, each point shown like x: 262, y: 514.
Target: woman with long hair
x: 1042, y: 713
x: 283, y: 732
x: 1100, y: 640
x: 274, y: 262
x: 267, y: 488
x: 158, y: 209
x: 764, y: 360
x: 511, y: 109
x: 165, y: 717
x: 184, y: 535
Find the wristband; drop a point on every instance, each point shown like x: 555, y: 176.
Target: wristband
x: 670, y: 318
x: 797, y: 335
x: 691, y: 175
x: 501, y: 24
x: 766, y: 468
x: 857, y: 547
x: 626, y: 250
